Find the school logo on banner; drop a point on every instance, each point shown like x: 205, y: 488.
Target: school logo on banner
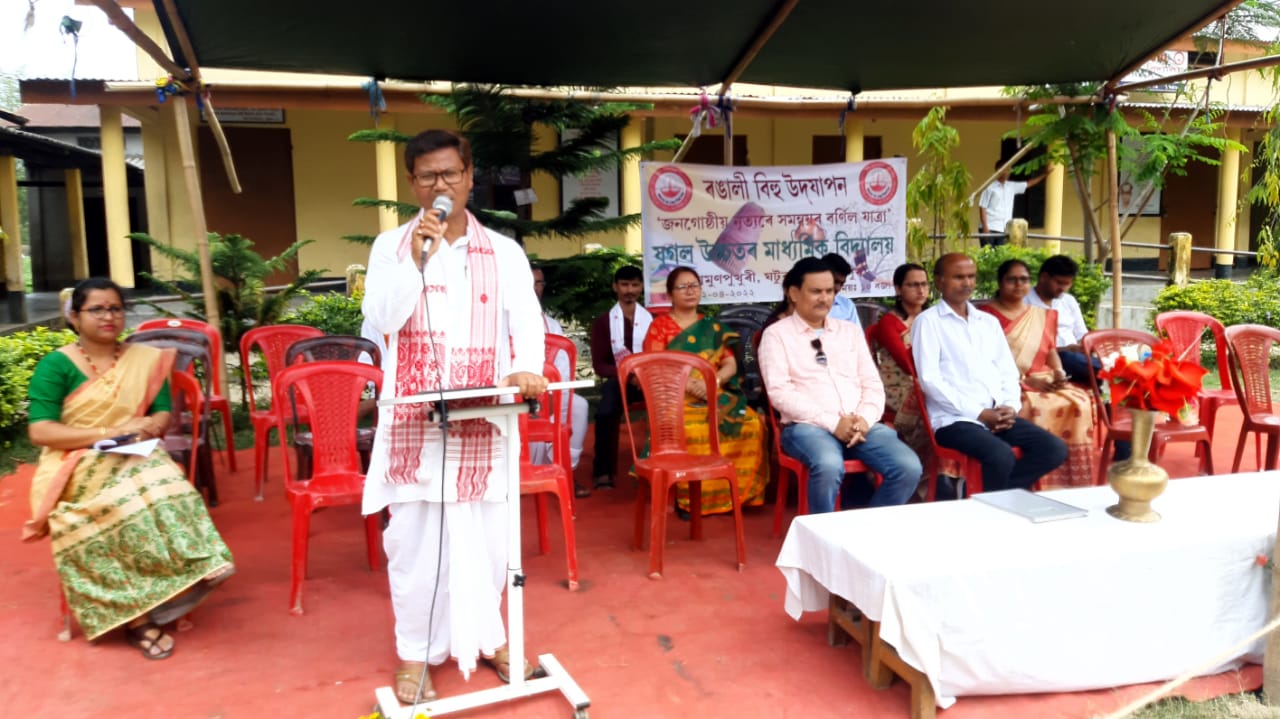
x: 878, y: 182
x: 742, y: 228
x: 670, y: 189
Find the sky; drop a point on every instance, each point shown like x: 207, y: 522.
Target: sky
x: 103, y: 52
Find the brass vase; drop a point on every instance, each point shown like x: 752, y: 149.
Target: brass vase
x: 1138, y: 480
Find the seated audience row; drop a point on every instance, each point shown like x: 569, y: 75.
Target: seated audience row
x: 991, y: 382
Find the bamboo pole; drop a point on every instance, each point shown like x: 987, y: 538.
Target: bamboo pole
x: 1113, y: 214
x: 118, y: 18
x: 186, y: 150
x: 1216, y: 72
x: 1222, y: 9
x: 757, y: 44
x: 1003, y: 168
x: 184, y: 42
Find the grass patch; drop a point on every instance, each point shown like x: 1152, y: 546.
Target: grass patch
x: 1247, y: 705
x: 19, y: 451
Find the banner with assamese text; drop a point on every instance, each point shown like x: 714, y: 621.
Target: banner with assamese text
x: 742, y: 228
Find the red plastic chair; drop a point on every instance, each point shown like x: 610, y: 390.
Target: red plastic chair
x: 1250, y: 351
x: 217, y: 402
x: 663, y: 376
x: 1119, y: 427
x: 790, y: 466
x: 970, y: 467
x: 1185, y: 329
x: 330, y: 392
x: 189, y: 410
x: 556, y: 344
x: 273, y: 341
x: 540, y: 480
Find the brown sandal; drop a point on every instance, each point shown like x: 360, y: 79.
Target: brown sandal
x: 146, y: 637
x: 501, y: 663
x: 408, y: 676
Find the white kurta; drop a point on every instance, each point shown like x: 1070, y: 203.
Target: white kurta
x: 392, y: 289
x: 471, y: 537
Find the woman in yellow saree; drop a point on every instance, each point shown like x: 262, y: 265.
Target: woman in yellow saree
x: 132, y: 541
x: 741, y: 429
x: 1048, y: 399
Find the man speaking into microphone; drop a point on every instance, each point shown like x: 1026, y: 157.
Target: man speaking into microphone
x: 456, y: 304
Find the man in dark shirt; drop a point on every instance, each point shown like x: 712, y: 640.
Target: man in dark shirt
x: 614, y: 335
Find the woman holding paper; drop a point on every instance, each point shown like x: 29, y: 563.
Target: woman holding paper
x: 131, y: 539
x: 1048, y: 399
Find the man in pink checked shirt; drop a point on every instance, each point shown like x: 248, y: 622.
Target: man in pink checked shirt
x: 820, y: 377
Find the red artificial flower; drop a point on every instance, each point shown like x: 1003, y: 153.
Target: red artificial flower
x: 1160, y: 382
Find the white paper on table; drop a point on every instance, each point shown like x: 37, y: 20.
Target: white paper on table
x: 141, y: 449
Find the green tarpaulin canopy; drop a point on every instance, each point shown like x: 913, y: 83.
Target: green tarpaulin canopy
x: 821, y: 43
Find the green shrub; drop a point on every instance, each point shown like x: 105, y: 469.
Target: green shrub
x: 1087, y: 289
x: 580, y: 288
x: 333, y: 313
x: 19, y: 354
x: 1257, y: 301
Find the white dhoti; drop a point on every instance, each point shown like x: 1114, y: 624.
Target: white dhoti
x: 467, y: 618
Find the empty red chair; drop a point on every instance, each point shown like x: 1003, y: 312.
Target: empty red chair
x: 1250, y: 353
x: 217, y: 401
x: 1185, y: 330
x: 1117, y: 423
x: 663, y: 376
x: 273, y: 341
x: 331, y: 393
x: 540, y: 480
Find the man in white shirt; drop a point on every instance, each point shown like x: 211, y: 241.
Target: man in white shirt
x: 456, y: 305
x: 1057, y: 274
x: 971, y: 385
x: 576, y: 414
x: 995, y: 208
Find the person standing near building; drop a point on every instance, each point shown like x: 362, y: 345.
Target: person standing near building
x: 995, y: 208
x: 457, y: 305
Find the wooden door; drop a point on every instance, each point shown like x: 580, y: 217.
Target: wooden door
x: 1190, y: 204
x: 264, y: 210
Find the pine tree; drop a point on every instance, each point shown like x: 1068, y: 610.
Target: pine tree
x: 500, y: 128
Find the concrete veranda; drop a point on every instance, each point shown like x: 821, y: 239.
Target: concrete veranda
x: 706, y: 641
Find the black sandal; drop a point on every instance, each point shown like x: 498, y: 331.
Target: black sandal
x: 143, y: 638
x: 580, y: 491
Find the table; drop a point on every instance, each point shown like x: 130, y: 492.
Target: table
x: 961, y: 598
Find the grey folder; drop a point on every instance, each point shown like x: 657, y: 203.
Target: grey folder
x: 1036, y: 507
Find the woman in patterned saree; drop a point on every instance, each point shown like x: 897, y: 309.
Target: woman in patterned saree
x: 132, y: 541
x: 741, y: 429
x: 891, y: 342
x: 1048, y: 399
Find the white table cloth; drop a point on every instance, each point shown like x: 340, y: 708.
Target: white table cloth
x: 986, y: 602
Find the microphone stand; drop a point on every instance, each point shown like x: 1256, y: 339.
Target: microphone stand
x: 506, y: 417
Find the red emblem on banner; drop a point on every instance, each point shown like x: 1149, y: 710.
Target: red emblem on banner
x: 670, y: 189
x: 878, y: 182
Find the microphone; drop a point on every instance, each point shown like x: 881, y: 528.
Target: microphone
x: 441, y: 207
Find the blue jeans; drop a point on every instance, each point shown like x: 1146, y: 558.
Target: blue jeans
x: 824, y: 456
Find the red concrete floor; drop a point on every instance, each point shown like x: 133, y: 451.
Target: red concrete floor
x: 705, y: 641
